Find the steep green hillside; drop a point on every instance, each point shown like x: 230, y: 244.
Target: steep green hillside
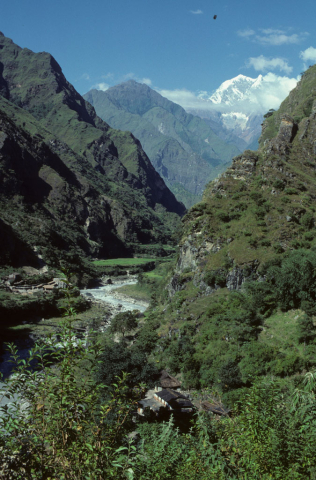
x: 264, y: 203
x: 70, y: 182
x: 183, y: 148
x: 241, y: 299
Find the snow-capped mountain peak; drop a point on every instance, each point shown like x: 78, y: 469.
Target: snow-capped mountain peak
x: 235, y: 90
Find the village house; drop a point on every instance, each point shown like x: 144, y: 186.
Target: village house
x: 166, y: 401
x: 166, y: 397
x: 167, y: 381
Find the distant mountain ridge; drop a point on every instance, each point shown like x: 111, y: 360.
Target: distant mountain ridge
x: 70, y: 185
x: 183, y: 148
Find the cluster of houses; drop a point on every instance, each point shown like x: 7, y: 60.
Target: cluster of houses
x: 167, y: 398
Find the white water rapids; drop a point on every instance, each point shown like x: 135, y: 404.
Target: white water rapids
x: 107, y: 294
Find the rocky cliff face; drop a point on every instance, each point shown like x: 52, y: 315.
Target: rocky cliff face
x: 261, y: 206
x: 70, y: 182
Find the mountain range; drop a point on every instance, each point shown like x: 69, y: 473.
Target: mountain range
x: 71, y: 186
x: 233, y: 111
x: 182, y: 147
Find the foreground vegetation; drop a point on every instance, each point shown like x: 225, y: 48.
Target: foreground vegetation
x: 77, y: 415
x: 75, y: 427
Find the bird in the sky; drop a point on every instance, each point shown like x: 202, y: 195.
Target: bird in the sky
x: 215, y: 17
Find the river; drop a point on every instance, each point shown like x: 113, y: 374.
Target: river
x: 107, y: 293
x: 104, y: 294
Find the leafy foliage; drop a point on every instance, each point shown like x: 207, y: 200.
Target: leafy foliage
x: 54, y: 425
x: 123, y: 322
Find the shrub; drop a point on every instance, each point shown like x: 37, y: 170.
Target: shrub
x: 257, y: 197
x: 309, y: 236
x: 64, y: 432
x: 278, y: 184
x: 253, y: 242
x: 296, y: 244
x: 265, y: 243
x: 223, y: 217
x: 256, y: 361
x: 230, y: 376
x: 278, y: 248
x: 307, y: 220
x: 295, y: 279
x: 290, y: 191
x: 260, y: 212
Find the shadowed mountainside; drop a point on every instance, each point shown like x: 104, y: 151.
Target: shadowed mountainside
x: 69, y: 181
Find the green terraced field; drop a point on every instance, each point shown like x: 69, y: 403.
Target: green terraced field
x: 122, y: 262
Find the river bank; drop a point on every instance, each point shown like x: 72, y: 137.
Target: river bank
x: 105, y: 302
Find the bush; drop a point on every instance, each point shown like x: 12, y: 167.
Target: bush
x: 290, y: 191
x: 287, y: 364
x: 307, y: 220
x: 215, y: 277
x: 230, y: 376
x: 309, y: 236
x: 223, y: 217
x: 256, y: 361
x: 278, y: 248
x: 257, y: 198
x: 64, y: 432
x: 278, y: 184
x: 116, y: 359
x: 295, y: 279
x: 253, y: 242
x: 265, y: 243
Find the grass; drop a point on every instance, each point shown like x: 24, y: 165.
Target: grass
x: 122, y: 262
x: 138, y: 292
x: 280, y: 330
x: 153, y: 275
x: 150, y: 282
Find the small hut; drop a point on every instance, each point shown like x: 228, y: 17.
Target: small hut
x: 167, y: 381
x: 174, y: 401
x: 216, y: 408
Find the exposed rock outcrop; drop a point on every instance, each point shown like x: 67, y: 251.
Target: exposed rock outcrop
x: 280, y: 145
x: 261, y: 206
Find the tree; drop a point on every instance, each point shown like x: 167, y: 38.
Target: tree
x: 269, y: 113
x: 306, y: 329
x: 230, y: 376
x: 123, y: 322
x: 116, y: 358
x: 295, y: 279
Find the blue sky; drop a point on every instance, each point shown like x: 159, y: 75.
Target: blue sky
x: 174, y: 45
